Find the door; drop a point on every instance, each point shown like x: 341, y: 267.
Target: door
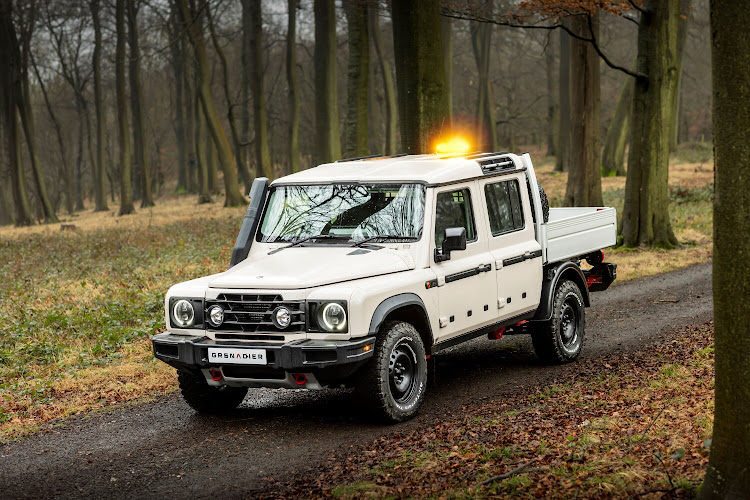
x: 466, y: 282
x: 516, y: 255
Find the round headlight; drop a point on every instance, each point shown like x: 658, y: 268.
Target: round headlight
x: 332, y: 317
x: 216, y: 315
x: 183, y: 313
x: 281, y: 317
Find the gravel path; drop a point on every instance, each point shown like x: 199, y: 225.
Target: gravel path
x: 163, y: 448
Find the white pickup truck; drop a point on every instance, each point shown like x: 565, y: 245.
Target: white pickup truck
x: 355, y: 273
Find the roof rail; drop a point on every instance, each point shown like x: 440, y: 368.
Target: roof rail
x: 359, y: 158
x: 485, y: 155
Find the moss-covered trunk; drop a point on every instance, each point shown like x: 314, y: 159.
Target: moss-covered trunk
x: 728, y: 473
x: 618, y: 132
x: 446, y: 30
x: 645, y: 218
x: 584, y: 173
x: 389, y: 90
x: 420, y: 73
x: 327, y: 139
x: 123, y: 125
x: 293, y: 85
x: 357, y: 79
x: 481, y: 44
x: 562, y: 162
x: 549, y: 59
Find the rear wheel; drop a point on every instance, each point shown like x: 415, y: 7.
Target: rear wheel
x: 560, y: 339
x: 394, y: 381
x: 207, y: 399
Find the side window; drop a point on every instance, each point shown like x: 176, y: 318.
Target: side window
x: 504, y: 207
x: 453, y: 209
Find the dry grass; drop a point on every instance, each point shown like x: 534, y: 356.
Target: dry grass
x: 79, y: 306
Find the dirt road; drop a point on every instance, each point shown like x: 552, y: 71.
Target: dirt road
x: 164, y: 449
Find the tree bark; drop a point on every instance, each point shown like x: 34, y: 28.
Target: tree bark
x: 193, y: 27
x: 420, y: 73
x: 562, y: 162
x: 481, y: 43
x: 100, y: 194
x: 357, y: 87
x: 584, y: 174
x: 251, y: 8
x: 126, y: 188
x: 10, y: 90
x: 618, y: 133
x: 645, y: 218
x: 177, y: 60
x: 446, y: 31
x: 142, y: 166
x: 213, y: 174
x: 292, y: 85
x: 327, y: 139
x: 727, y: 475
x: 685, y: 8
x: 391, y: 113
x: 549, y: 56
x: 204, y: 191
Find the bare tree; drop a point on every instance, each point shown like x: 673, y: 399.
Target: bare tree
x: 126, y: 189
x: 328, y: 142
x: 357, y: 76
x: 292, y: 84
x: 100, y: 196
x: 391, y: 113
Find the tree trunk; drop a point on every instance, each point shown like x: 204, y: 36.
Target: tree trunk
x: 685, y: 9
x: 727, y: 473
x: 236, y: 143
x: 126, y: 188
x: 391, y: 116
x: 246, y: 97
x: 177, y: 60
x: 193, y: 27
x: 549, y: 56
x: 78, y: 181
x: 211, y: 159
x: 293, y: 85
x: 446, y: 31
x: 204, y: 187
x: 251, y: 9
x: 562, y: 162
x: 481, y: 43
x: 584, y: 174
x: 6, y: 214
x: 100, y: 195
x: 327, y: 139
x: 420, y: 72
x: 358, y: 72
x: 136, y: 103
x: 645, y: 218
x: 618, y: 133
x: 190, y: 125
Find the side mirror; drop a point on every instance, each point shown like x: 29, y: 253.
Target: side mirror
x: 454, y: 239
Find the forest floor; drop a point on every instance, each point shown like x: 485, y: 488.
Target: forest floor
x: 635, y: 426
x: 79, y: 305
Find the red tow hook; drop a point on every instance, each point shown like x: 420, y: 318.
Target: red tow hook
x: 497, y: 334
x: 300, y: 378
x: 215, y: 374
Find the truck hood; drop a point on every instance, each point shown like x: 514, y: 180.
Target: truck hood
x: 306, y: 267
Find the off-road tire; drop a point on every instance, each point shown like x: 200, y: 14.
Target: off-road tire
x: 560, y: 339
x: 207, y: 399
x: 399, y: 353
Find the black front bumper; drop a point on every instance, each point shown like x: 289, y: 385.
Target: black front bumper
x: 191, y: 352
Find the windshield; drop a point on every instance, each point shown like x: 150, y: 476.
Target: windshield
x: 344, y: 212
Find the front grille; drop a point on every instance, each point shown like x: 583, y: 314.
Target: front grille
x: 251, y: 313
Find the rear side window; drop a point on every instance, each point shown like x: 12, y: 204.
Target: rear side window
x: 454, y: 210
x: 504, y: 207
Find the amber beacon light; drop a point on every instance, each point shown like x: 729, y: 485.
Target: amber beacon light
x: 454, y: 145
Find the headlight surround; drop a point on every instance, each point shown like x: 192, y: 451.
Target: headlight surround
x: 183, y: 313
x: 179, y: 312
x: 331, y: 316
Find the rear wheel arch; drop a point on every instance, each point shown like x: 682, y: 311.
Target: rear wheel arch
x: 553, y: 276
x: 407, y: 308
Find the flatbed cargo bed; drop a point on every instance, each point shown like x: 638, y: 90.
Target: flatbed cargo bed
x: 575, y: 232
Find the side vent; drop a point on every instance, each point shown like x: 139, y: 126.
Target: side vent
x: 494, y: 165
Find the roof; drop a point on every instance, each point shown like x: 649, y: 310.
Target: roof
x: 429, y: 168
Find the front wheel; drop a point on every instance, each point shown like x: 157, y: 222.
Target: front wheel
x: 207, y: 399
x: 560, y: 339
x: 394, y: 381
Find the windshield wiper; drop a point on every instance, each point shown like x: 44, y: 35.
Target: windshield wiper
x: 387, y: 236
x: 303, y: 240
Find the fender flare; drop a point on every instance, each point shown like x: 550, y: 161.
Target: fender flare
x: 552, y: 276
x: 395, y: 303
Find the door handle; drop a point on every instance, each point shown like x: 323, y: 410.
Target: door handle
x: 484, y: 268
